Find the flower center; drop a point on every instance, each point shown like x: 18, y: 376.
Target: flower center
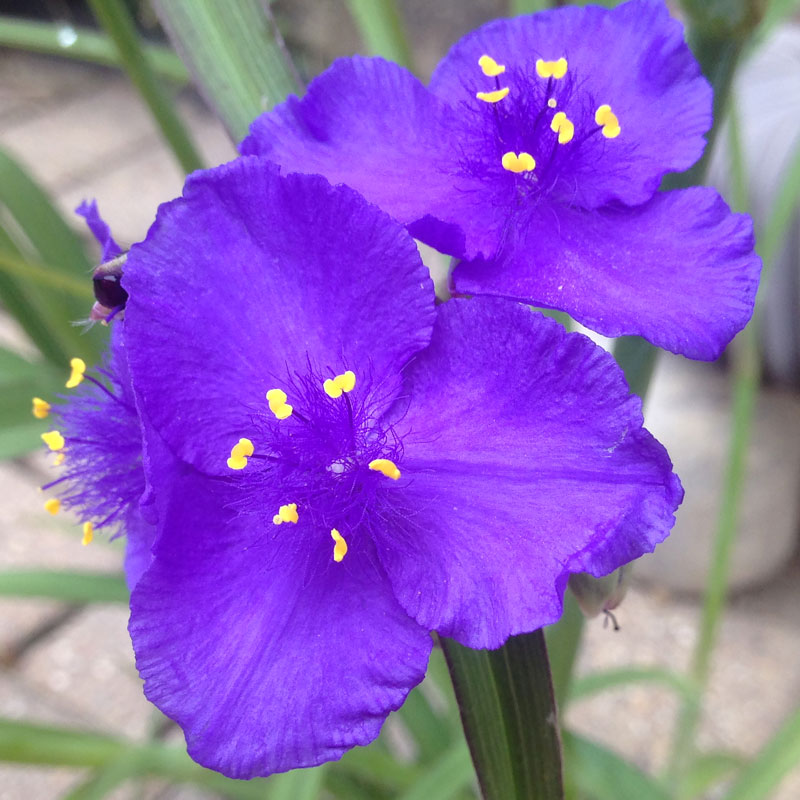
x: 538, y: 127
x: 321, y: 455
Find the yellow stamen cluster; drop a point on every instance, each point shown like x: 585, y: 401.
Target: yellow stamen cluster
x: 41, y: 408
x: 386, y: 467
x: 563, y: 127
x: 341, y: 383
x: 78, y: 366
x: 608, y: 119
x: 524, y: 162
x: 493, y: 97
x: 287, y: 513
x: 551, y: 69
x: 240, y: 452
x: 53, y: 439
x: 340, y: 546
x: 490, y: 67
x: 277, y: 403
x: 52, y: 505
x: 88, y: 533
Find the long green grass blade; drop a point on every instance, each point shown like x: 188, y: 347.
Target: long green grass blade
x: 26, y: 743
x: 83, y: 44
x: 299, y: 784
x: 596, y: 682
x: 450, y: 775
x: 114, y: 16
x: 21, y: 380
x: 509, y: 716
x: 709, y: 769
x: 46, y: 277
x: 381, y: 26
x: 69, y: 587
x: 780, y: 755
x: 601, y: 774
x: 41, y: 228
x: 235, y: 54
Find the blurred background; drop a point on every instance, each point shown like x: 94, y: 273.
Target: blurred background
x: 73, y: 126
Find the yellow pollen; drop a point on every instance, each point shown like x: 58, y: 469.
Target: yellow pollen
x: 386, y: 467
x: 563, y: 127
x: 287, y: 513
x: 524, y: 162
x: 240, y: 452
x: 52, y: 505
x: 608, y: 119
x: 59, y: 459
x: 492, y: 97
x: 340, y: 548
x: 78, y: 366
x: 490, y: 67
x: 277, y: 403
x: 53, y: 439
x: 88, y: 533
x: 345, y: 382
x: 552, y: 102
x: 551, y: 69
x: 41, y: 408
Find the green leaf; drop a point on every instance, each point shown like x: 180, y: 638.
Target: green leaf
x: 26, y: 743
x: 445, y: 778
x: 596, y: 682
x: 83, y: 44
x: 114, y: 16
x: 380, y: 24
x: 708, y: 769
x: 509, y: 716
x: 69, y: 587
x: 563, y: 642
x: 235, y: 54
x: 763, y: 774
x: 602, y: 775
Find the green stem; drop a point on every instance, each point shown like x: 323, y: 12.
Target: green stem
x: 509, y: 715
x: 114, y: 16
x: 83, y: 44
x: 381, y: 27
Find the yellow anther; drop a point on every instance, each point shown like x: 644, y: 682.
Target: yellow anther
x: 563, y: 127
x: 345, y: 382
x: 551, y: 69
x: 524, y: 162
x: 52, y: 505
x: 386, y: 467
x: 340, y: 546
x: 88, y: 533
x: 492, y: 97
x: 53, y: 439
x: 608, y: 119
x: 59, y: 459
x: 287, y: 513
x: 277, y: 403
x: 490, y: 67
x: 240, y: 452
x: 78, y: 366
x: 41, y: 408
x: 552, y: 102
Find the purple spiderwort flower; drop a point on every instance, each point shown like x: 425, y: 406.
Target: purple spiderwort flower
x: 536, y: 154
x: 351, y: 467
x: 97, y: 442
